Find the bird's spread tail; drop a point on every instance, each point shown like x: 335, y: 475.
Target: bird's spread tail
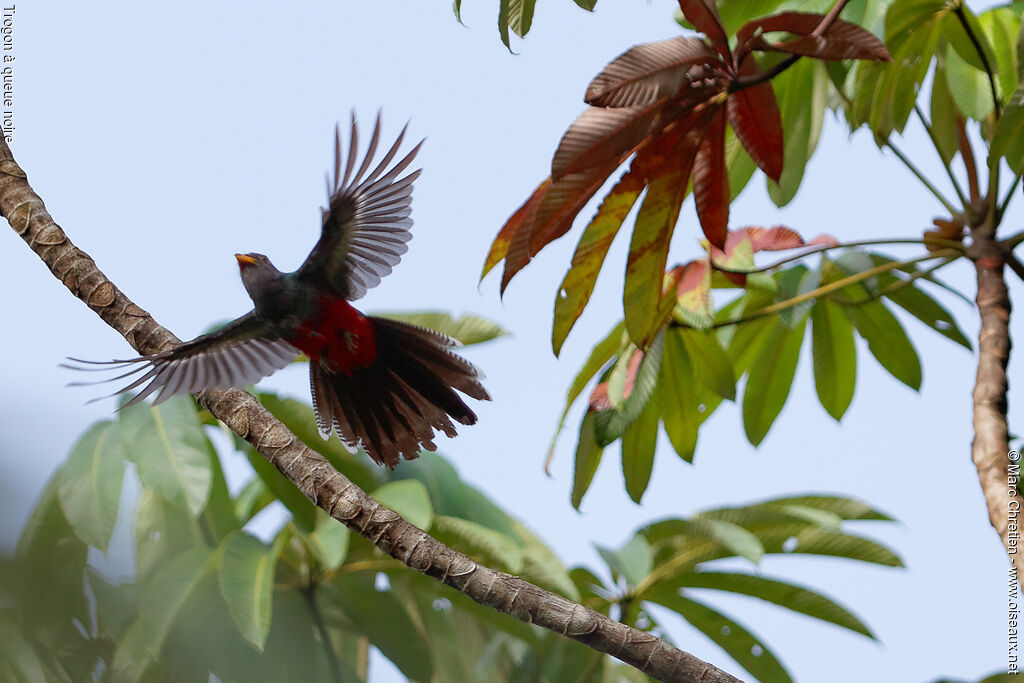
x: 394, y: 405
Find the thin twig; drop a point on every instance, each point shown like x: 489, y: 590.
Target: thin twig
x: 325, y: 636
x: 828, y: 289
x: 935, y: 143
x: 1006, y: 200
x: 937, y: 241
x: 920, y: 176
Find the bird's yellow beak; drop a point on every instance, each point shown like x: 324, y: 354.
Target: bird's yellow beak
x: 245, y: 260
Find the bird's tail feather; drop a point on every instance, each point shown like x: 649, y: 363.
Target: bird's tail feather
x: 394, y: 405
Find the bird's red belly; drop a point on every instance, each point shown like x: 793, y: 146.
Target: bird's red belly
x: 338, y: 337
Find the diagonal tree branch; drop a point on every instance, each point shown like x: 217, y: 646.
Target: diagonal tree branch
x: 313, y: 475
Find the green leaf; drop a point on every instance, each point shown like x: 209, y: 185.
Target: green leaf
x: 162, y: 532
x: 885, y: 93
x: 408, y: 498
x: 648, y: 250
x: 520, y: 15
x: 962, y: 44
x: 89, y: 484
x: 542, y: 567
x: 329, y: 541
x: 247, y: 584
x: 790, y: 596
x: 712, y: 367
x: 844, y: 508
x: 835, y: 357
x: 926, y: 309
x: 684, y: 404
x: 479, y: 541
x: 770, y: 379
x: 22, y: 661
x: 611, y: 424
x: 588, y: 457
x: 633, y: 561
x: 969, y: 87
x: 162, y: 603
x: 813, y: 540
x: 49, y: 563
x: 117, y: 605
x: 451, y: 496
x: 1008, y: 139
x: 251, y: 499
x: 1002, y: 28
x: 603, y: 352
x: 466, y: 329
x: 172, y: 453
x: 588, y: 259
x: 943, y: 117
x: 731, y: 536
x: 742, y: 645
x: 793, y: 283
x: 801, y: 92
x: 741, y: 166
x: 638, y: 446
x: 219, y: 513
x: 887, y: 341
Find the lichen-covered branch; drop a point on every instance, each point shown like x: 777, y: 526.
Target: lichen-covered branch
x: 319, y: 482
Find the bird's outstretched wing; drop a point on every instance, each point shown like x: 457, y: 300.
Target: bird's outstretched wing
x: 367, y: 220
x: 238, y: 354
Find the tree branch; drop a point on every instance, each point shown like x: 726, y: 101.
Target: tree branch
x: 313, y: 475
x: 991, y: 436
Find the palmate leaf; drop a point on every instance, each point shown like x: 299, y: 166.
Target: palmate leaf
x: 711, y: 179
x: 162, y: 603
x: 633, y: 561
x: 667, y: 163
x: 801, y: 91
x: 1008, y: 139
x: 639, y: 382
x: 167, y: 444
x: 835, y: 357
x: 703, y: 14
x: 739, y: 642
x: 588, y: 259
x: 884, y: 94
x: 887, y: 341
x: 599, y: 136
x: 754, y: 115
x: 467, y: 329
x: 792, y: 597
x: 968, y: 85
x: 639, y: 443
x: 943, y: 117
x: 409, y: 498
x: 647, y: 72
x: 588, y: 457
x: 247, y: 584
x: 1001, y: 26
x: 842, y: 40
x: 89, y: 484
x: 771, y: 378
x: 692, y: 294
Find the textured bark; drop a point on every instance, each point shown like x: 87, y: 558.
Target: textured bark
x: 319, y: 482
x: 991, y: 439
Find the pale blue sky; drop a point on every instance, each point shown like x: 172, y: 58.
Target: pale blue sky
x: 164, y: 139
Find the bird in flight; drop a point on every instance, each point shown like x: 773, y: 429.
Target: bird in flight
x: 379, y: 383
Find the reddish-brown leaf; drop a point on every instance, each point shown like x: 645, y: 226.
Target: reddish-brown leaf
x: 517, y: 253
x: 711, y: 180
x: 560, y: 205
x: 599, y: 135
x: 842, y: 40
x: 754, y: 115
x: 742, y: 244
x: 703, y: 14
x: 693, y: 293
x: 599, y: 398
x: 500, y: 245
x: 647, y: 72
x: 667, y: 163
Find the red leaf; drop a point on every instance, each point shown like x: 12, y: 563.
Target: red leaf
x: 508, y: 232
x: 599, y: 398
x: 754, y: 115
x: 776, y: 238
x: 599, y: 135
x: 517, y: 252
x: 842, y: 40
x: 711, y: 180
x: 647, y: 72
x: 560, y: 205
x: 703, y: 14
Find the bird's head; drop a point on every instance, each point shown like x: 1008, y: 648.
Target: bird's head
x: 257, y: 271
